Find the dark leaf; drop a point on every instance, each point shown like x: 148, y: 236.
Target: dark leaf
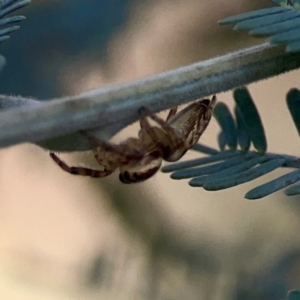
x: 251, y: 119
x: 4, y: 37
x: 8, y: 30
x: 279, y: 23
x: 293, y: 103
x: 276, y: 28
x: 188, y: 173
x: 10, y: 6
x: 200, y: 161
x: 230, y: 181
x: 252, y: 15
x: 293, y: 47
x: 286, y: 37
x: 222, y: 140
x: 242, y: 131
x: 7, y: 7
x: 273, y: 186
x: 286, y: 15
x: 11, y: 20
x: 227, y: 124
x: 247, y: 164
x: 205, y: 149
x: 293, y: 190
x: 2, y: 62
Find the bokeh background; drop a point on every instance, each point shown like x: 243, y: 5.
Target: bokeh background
x: 67, y: 237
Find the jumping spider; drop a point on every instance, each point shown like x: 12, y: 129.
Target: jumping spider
x: 140, y: 158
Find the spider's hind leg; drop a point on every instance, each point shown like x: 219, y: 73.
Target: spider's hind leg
x: 123, y: 150
x: 80, y: 170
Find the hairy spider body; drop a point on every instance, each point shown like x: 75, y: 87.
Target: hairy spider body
x: 140, y: 158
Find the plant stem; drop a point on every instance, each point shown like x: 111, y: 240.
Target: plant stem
x: 112, y: 108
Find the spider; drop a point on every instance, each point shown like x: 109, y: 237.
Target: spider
x: 140, y: 158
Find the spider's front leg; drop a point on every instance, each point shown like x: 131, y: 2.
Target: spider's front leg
x: 80, y: 170
x: 203, y: 122
x: 182, y: 131
x: 166, y: 140
x: 172, y: 113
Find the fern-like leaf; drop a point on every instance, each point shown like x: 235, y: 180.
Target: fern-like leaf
x: 281, y: 24
x: 6, y: 8
x: 228, y: 168
x: 228, y: 135
x: 250, y: 119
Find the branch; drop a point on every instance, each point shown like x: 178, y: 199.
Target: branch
x: 112, y: 108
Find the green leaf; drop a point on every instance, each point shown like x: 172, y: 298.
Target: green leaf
x: 200, y: 161
x: 293, y: 47
x: 251, y: 119
x: 188, y: 173
x: 242, y: 131
x: 293, y: 103
x: 252, y: 15
x: 276, y: 28
x: 251, y: 174
x: 247, y: 164
x: 2, y: 62
x: 11, y: 20
x: 222, y: 140
x: 227, y: 124
x: 286, y: 15
x: 293, y: 190
x: 7, y: 7
x: 8, y: 30
x: 280, y: 23
x: 286, y: 37
x: 205, y: 149
x: 273, y: 186
x: 4, y: 37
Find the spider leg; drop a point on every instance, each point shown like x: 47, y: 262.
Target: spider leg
x: 158, y: 140
x: 167, y: 141
x: 152, y: 133
x: 203, y: 122
x: 121, y: 150
x: 145, y: 112
x: 172, y: 138
x: 145, y: 124
x: 80, y: 170
x: 172, y: 112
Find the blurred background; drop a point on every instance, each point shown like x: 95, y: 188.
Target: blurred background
x: 67, y: 237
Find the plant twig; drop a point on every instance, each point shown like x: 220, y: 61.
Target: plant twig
x: 112, y: 108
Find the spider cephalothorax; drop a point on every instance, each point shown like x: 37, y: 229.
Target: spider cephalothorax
x: 140, y: 158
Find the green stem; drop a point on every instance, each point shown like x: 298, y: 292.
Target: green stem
x: 112, y: 108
